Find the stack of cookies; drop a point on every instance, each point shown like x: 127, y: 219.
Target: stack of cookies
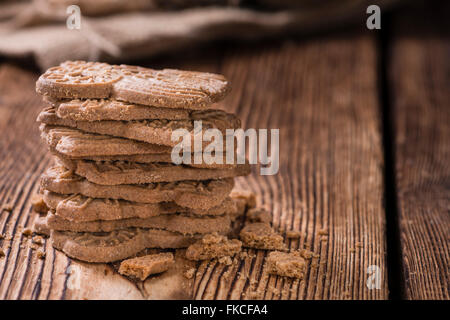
x: 113, y: 189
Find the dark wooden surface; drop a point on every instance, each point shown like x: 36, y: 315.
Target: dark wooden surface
x: 419, y: 79
x: 324, y: 97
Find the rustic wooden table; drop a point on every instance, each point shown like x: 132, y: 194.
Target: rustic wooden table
x: 364, y: 137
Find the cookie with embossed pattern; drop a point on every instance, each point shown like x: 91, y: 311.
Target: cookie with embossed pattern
x: 70, y: 163
x: 116, y: 245
x: 122, y: 172
x: 191, y: 194
x: 75, y: 143
x: 166, y: 88
x: 79, y: 208
x: 111, y: 109
x: 158, y: 131
x: 186, y: 225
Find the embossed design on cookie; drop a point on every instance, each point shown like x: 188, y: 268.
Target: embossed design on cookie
x: 157, y: 131
x: 117, y: 245
x: 166, y: 88
x: 191, y: 194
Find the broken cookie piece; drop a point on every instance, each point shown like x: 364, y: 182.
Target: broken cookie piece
x: 38, y: 204
x: 259, y: 215
x: 248, y: 196
x: 291, y: 234
x: 261, y: 236
x: 213, y: 246
x: 286, y: 264
x: 142, y: 267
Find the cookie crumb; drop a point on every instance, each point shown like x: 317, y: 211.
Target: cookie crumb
x: 27, y: 232
x: 213, y: 246
x: 259, y: 215
x: 2, y: 236
x: 142, y: 267
x: 38, y: 240
x: 7, y: 207
x: 2, y: 253
x: 261, y: 236
x: 189, y: 274
x: 41, y: 254
x: 323, y: 232
x: 38, y: 204
x: 248, y: 196
x: 291, y: 234
x: 286, y: 264
x: 225, y: 260
x: 306, y: 254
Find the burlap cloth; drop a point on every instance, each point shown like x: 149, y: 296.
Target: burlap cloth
x: 142, y: 28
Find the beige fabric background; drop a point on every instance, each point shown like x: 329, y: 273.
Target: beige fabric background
x: 142, y: 28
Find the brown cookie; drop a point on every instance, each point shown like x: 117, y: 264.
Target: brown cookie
x: 110, y: 109
x: 75, y: 143
x: 186, y: 225
x: 157, y: 131
x: 70, y: 163
x: 261, y: 236
x: 141, y: 158
x: 166, y: 88
x: 79, y: 208
x: 116, y: 245
x: 213, y: 246
x: 67, y: 143
x: 286, y: 264
x: 120, y: 172
x: 142, y: 267
x: 191, y: 194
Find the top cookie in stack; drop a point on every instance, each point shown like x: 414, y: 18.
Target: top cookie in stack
x: 114, y: 190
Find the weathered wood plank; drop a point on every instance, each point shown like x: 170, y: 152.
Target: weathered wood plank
x: 419, y: 80
x: 322, y: 96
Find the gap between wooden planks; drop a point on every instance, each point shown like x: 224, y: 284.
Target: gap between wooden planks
x: 322, y: 96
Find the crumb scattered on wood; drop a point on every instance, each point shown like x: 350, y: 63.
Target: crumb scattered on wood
x: 2, y: 253
x: 142, y: 267
x: 38, y: 240
x: 41, y: 254
x: 259, y: 215
x: 189, y: 274
x: 27, y: 232
x: 261, y: 236
x: 213, y: 246
x: 286, y: 264
x: 291, y: 234
x: 225, y: 260
x: 248, y: 196
x: 323, y: 232
x: 7, y: 207
x: 306, y: 254
x: 38, y: 204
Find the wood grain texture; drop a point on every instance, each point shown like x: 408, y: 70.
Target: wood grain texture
x: 419, y: 79
x: 321, y: 94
